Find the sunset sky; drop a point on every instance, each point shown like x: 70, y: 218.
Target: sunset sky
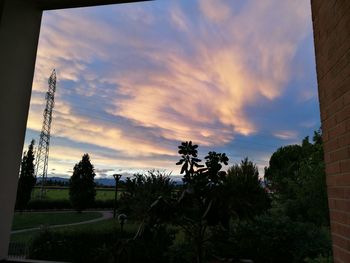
x: 134, y: 80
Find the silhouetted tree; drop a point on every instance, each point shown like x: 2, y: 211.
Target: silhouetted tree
x: 26, y: 179
x: 81, y: 185
x: 244, y: 191
x: 296, y: 176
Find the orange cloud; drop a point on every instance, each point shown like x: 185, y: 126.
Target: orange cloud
x: 215, y: 10
x: 192, y: 84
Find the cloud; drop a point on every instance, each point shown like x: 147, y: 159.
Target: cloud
x: 138, y: 79
x: 286, y: 135
x: 232, y: 64
x: 215, y: 10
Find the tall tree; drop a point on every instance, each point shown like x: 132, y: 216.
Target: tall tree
x: 244, y: 191
x: 296, y: 175
x: 26, y: 179
x: 81, y: 184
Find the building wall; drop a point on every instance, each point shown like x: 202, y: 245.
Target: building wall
x: 331, y: 21
x: 19, y: 33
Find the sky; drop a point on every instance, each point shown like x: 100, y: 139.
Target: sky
x: 135, y: 80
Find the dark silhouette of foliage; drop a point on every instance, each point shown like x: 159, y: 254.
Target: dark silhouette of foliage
x: 81, y: 185
x: 297, y: 179
x: 244, y: 192
x: 276, y: 238
x: 200, y: 204
x: 142, y: 190
x: 26, y: 179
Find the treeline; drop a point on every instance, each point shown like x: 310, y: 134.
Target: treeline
x: 222, y: 216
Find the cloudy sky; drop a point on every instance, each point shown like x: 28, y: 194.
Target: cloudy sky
x: 134, y: 80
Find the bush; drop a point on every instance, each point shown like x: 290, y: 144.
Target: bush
x: 73, y: 246
x: 109, y: 245
x: 142, y: 190
x: 270, y: 238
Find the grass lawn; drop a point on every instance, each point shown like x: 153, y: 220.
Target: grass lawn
x: 105, y: 225
x: 63, y: 193
x: 29, y: 220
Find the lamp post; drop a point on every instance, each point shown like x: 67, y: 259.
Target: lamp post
x: 116, y: 178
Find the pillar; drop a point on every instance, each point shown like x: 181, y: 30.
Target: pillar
x: 19, y: 33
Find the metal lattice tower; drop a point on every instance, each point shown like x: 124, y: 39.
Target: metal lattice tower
x: 42, y: 154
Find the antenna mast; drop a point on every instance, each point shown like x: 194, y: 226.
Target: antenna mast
x: 42, y: 154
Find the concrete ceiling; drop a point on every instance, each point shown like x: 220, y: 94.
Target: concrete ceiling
x: 60, y: 4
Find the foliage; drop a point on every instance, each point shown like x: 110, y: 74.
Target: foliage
x: 296, y: 176
x: 243, y: 190
x: 26, y: 179
x: 68, y: 246
x: 142, y: 190
x: 320, y: 259
x: 180, y: 252
x: 81, y: 185
x: 272, y: 238
x: 201, y: 203
x: 219, y: 214
x: 101, y: 245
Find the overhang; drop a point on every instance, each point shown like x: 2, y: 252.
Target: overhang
x: 60, y: 4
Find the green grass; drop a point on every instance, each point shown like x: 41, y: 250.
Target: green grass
x: 105, y: 225
x: 30, y: 220
x: 62, y: 193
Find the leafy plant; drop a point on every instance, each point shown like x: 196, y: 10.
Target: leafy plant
x: 200, y: 203
x: 142, y: 190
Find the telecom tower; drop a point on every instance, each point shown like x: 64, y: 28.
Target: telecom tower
x: 42, y: 154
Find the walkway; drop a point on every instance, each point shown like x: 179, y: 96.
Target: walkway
x: 105, y: 215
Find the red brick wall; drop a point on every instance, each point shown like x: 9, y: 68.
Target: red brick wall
x: 331, y: 21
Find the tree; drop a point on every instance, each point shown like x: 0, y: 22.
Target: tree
x: 244, y: 191
x: 296, y: 176
x: 81, y: 184
x: 26, y: 179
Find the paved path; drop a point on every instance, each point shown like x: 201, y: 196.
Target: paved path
x: 105, y: 215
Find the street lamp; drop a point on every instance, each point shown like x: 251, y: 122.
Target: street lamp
x: 116, y: 178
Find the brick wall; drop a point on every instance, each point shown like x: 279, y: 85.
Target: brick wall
x: 331, y: 21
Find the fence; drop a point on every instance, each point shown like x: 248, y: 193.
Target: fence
x: 17, y: 250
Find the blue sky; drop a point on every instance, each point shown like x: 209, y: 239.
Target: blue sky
x: 134, y: 80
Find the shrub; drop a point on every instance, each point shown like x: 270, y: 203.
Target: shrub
x: 73, y: 246
x: 270, y: 238
x: 142, y: 190
x: 109, y: 245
